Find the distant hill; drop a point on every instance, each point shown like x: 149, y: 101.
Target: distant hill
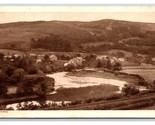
x: 91, y: 36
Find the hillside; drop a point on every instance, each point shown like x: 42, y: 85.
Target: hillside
x: 91, y: 36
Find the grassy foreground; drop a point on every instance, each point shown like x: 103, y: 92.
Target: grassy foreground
x: 83, y: 93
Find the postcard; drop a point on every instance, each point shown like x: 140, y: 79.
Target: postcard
x: 77, y: 61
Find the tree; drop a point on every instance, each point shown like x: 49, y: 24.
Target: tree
x: 53, y: 43
x: 18, y: 75
x: 1, y: 56
x: 117, y: 66
x: 9, y: 70
x: 27, y: 64
x: 108, y: 65
x: 46, y: 57
x: 32, y: 69
x: 99, y: 64
x: 129, y: 90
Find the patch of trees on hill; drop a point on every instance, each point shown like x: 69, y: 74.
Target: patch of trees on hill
x: 120, y: 46
x: 53, y: 43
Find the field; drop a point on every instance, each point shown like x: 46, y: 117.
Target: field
x: 80, y: 85
x: 106, y: 75
x: 10, y: 52
x: 97, y: 96
x: 83, y: 93
x: 146, y: 101
x: 147, y: 73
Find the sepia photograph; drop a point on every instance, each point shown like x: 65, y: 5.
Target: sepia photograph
x: 77, y: 61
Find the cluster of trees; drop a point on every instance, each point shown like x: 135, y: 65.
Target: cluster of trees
x: 129, y: 90
x: 149, y: 50
x: 15, y: 73
x: 57, y: 43
x: 107, y: 64
x: 102, y: 62
x: 53, y: 43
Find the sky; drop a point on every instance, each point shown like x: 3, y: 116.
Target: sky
x: 7, y: 17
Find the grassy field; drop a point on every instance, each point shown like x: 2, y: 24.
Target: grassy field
x: 106, y: 75
x: 147, y: 73
x: 137, y: 102
x: 10, y: 52
x: 96, y: 91
x: 83, y: 93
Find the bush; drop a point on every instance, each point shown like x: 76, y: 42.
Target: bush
x: 90, y: 100
x: 142, y: 83
x: 113, y: 96
x: 2, y: 107
x: 129, y: 90
x: 76, y: 102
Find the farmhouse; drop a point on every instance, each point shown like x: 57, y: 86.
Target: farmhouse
x: 53, y: 58
x: 149, y: 64
x: 33, y: 55
x: 121, y: 59
x: 38, y: 61
x: 41, y: 57
x: 143, y: 64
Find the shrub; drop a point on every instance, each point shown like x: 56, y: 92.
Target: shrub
x: 89, y: 100
x: 2, y: 107
x: 142, y: 83
x: 113, y: 96
x: 76, y: 102
x: 128, y: 90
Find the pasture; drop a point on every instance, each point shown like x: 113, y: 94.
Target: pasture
x: 10, y: 52
x: 147, y: 73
